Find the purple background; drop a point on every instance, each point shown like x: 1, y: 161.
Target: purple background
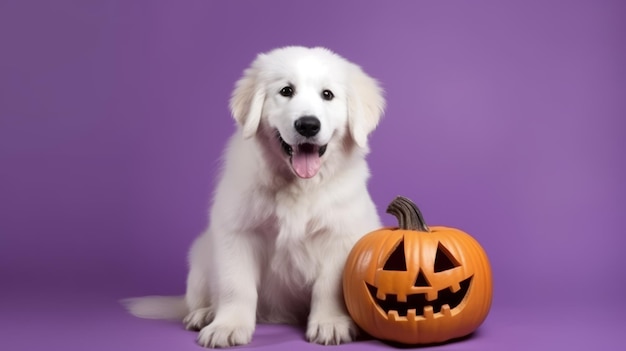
x: 505, y: 119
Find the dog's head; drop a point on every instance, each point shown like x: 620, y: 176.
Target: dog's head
x: 307, y: 101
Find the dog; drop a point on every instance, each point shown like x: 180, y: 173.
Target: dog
x: 291, y: 202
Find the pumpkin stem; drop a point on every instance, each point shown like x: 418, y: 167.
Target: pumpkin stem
x: 408, y: 215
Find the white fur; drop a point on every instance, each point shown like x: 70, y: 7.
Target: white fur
x: 276, y: 244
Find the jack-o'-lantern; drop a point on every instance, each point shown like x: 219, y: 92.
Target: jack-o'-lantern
x: 417, y: 285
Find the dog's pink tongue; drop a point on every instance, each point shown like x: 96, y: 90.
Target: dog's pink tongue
x: 306, y: 163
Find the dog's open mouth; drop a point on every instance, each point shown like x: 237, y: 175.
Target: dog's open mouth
x: 305, y: 158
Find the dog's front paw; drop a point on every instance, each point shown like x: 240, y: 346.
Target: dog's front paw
x: 331, y: 331
x: 198, y: 319
x: 225, y: 334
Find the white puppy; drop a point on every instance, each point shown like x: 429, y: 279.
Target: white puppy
x: 291, y: 202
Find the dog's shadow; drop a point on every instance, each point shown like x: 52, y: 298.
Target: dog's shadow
x: 267, y: 336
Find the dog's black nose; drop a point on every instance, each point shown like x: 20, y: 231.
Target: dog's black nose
x: 308, y: 126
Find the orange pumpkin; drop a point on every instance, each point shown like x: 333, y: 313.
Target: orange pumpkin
x: 417, y: 285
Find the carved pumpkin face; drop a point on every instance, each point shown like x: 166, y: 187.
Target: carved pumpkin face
x: 416, y: 284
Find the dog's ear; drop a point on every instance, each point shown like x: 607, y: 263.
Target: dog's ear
x: 246, y: 102
x: 366, y: 105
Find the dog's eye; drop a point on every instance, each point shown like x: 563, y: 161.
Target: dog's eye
x: 327, y: 95
x: 287, y: 91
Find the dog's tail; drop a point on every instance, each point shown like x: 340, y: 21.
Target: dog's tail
x: 157, y: 307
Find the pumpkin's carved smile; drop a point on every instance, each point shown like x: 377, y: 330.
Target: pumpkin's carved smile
x: 417, y: 306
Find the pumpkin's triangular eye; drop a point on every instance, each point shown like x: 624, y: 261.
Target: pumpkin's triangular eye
x: 444, y: 260
x: 396, y: 261
x: 421, y: 280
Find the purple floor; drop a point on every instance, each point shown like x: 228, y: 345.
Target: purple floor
x: 95, y: 321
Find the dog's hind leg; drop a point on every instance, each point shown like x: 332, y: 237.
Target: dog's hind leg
x: 198, y: 294
x: 235, y: 290
x: 329, y: 322
x: 198, y: 302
